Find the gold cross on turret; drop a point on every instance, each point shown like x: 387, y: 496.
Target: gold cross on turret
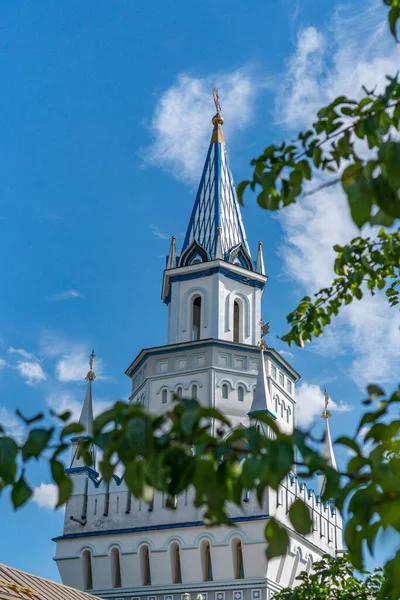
x: 216, y: 100
x: 91, y: 376
x: 264, y: 330
x: 326, y: 414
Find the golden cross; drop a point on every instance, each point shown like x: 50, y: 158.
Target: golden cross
x: 261, y: 344
x: 92, y: 356
x: 326, y: 414
x: 216, y: 99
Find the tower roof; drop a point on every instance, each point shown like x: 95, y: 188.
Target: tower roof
x: 216, y: 203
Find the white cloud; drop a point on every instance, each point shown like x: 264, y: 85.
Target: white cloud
x: 358, y: 51
x: 310, y: 404
x: 159, y: 234
x: 67, y: 295
x: 72, y: 367
x: 11, y: 424
x: 45, y: 495
x: 72, y: 357
x: 30, y: 369
x: 2, y: 363
x: 368, y: 331
x: 22, y: 352
x: 179, y: 124
x: 61, y: 402
x: 32, y: 372
x: 286, y: 354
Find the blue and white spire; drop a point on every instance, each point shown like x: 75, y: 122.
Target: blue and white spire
x: 216, y: 205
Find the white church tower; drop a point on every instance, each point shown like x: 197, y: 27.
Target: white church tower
x: 125, y: 549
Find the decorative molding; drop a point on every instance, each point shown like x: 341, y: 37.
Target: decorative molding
x: 238, y: 595
x: 255, y: 594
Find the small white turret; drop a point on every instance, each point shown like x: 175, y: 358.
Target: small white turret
x: 327, y: 449
x: 86, y: 419
x: 171, y: 261
x: 262, y: 397
x: 260, y: 267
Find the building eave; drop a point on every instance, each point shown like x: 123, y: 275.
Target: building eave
x: 145, y: 352
x: 208, y: 268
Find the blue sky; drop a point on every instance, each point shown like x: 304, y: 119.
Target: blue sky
x: 105, y: 122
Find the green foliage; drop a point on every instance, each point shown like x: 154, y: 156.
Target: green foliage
x: 331, y: 146
x: 363, y: 265
x: 334, y: 579
x: 175, y: 450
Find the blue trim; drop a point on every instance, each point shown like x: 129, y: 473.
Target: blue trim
x: 212, y: 271
x: 69, y: 536
x: 217, y: 190
x: 196, y: 202
x: 91, y: 472
x: 265, y: 411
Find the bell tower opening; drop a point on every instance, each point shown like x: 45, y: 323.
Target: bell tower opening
x: 236, y: 321
x: 196, y: 318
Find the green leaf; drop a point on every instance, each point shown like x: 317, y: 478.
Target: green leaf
x: 277, y: 538
x: 64, y: 483
x: 393, y: 17
x: 37, y: 441
x: 27, y: 420
x: 389, y: 156
x: 240, y: 191
x: 374, y: 391
x: 8, y: 455
x: 21, y: 492
x: 299, y: 515
x: 359, y: 194
x: 72, y: 428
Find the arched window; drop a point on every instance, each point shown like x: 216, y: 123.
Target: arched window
x: 225, y: 391
x: 194, y: 392
x: 288, y: 413
x: 236, y: 322
x: 282, y: 408
x: 87, y: 570
x: 176, y: 564
x: 115, y: 568
x: 164, y: 396
x: 276, y: 403
x: 206, y: 561
x: 145, y: 565
x: 196, y: 318
x: 238, y: 555
x: 179, y: 392
x: 240, y: 393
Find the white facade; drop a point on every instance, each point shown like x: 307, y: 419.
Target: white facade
x: 124, y: 548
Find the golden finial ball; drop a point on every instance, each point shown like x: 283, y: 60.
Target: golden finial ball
x: 217, y: 119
